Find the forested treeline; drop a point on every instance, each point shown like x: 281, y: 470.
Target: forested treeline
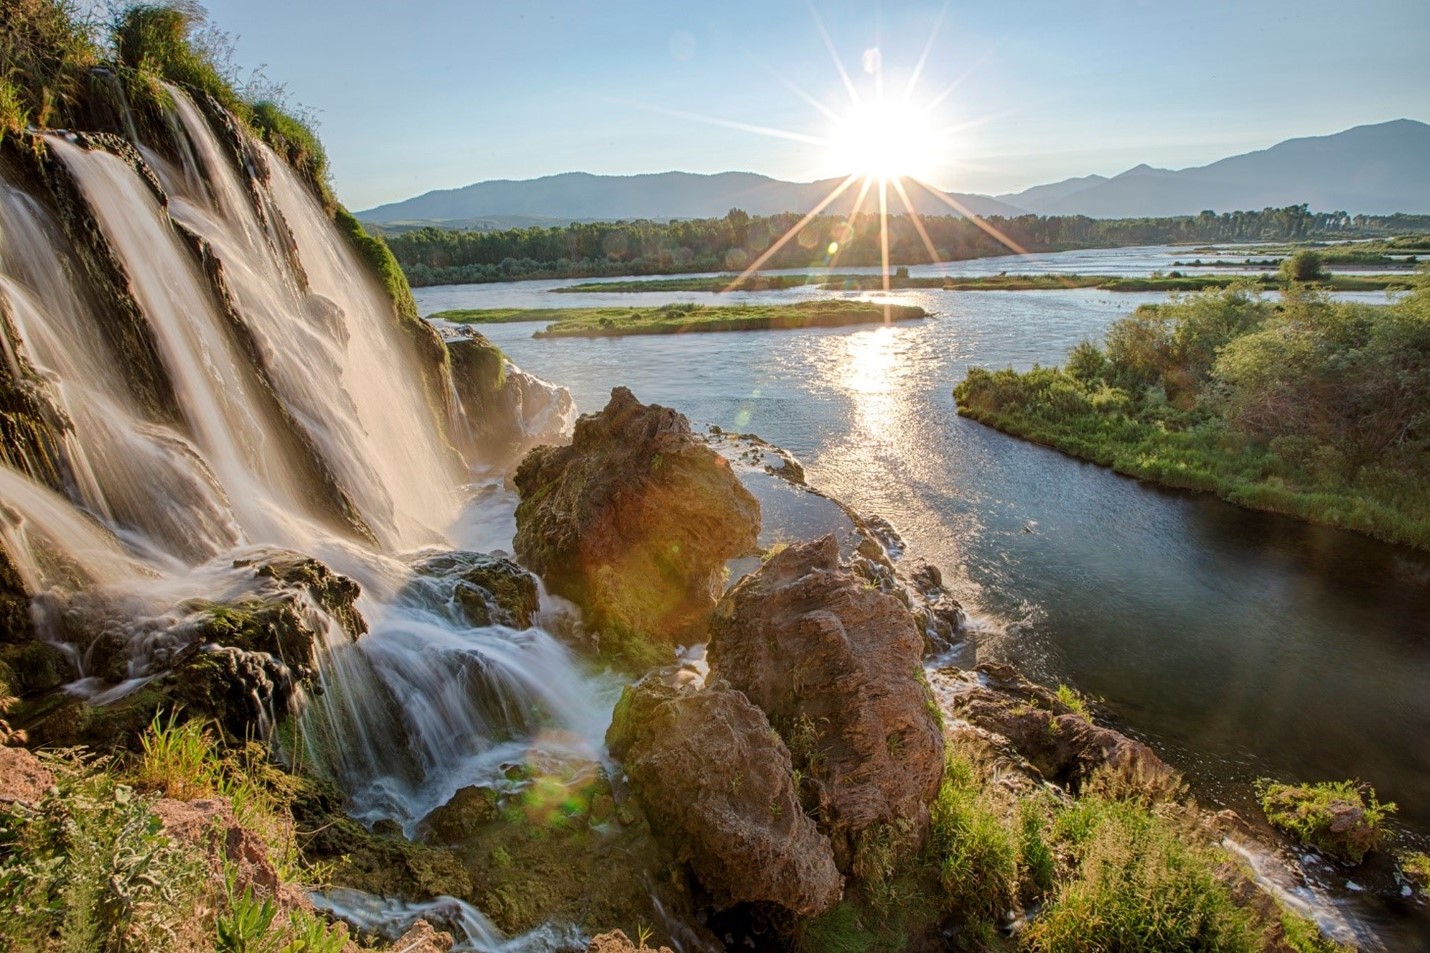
x: 433, y: 256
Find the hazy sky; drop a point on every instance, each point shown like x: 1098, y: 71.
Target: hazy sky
x: 431, y: 94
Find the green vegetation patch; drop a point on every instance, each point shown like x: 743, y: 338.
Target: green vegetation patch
x: 689, y: 318
x: 1307, y: 407
x: 1341, y: 819
x: 1138, y: 884
x: 90, y: 867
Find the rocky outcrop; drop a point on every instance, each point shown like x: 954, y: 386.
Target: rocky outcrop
x: 231, y: 849
x: 501, y: 410
x: 484, y: 590
x: 634, y: 521
x: 717, y: 783
x: 1062, y: 743
x: 836, y: 666
x: 239, y: 658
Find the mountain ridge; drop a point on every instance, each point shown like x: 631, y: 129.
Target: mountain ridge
x: 1376, y: 168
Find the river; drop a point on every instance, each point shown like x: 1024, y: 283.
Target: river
x: 1240, y: 644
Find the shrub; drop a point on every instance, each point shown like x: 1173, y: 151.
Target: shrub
x: 159, y: 40
x: 1138, y: 886
x: 1341, y: 819
x: 88, y: 869
x: 293, y: 139
x: 1304, y: 265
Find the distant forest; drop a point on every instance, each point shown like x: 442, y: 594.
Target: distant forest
x: 437, y: 256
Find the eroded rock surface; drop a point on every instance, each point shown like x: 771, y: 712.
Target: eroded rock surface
x: 1063, y: 744
x: 716, y: 781
x: 634, y: 521
x: 238, y: 657
x: 836, y: 665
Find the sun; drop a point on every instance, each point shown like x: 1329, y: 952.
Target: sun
x: 885, y: 140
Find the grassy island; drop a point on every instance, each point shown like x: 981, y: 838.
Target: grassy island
x: 1173, y: 281
x: 1308, y: 407
x: 689, y: 318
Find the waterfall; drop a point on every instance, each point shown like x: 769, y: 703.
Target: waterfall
x: 301, y: 425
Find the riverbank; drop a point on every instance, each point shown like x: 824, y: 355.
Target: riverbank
x: 688, y: 318
x: 1309, y: 410
x: 1050, y: 282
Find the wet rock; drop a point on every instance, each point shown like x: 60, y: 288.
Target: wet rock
x: 460, y: 818
x: 835, y: 664
x: 485, y: 590
x: 1064, y: 745
x: 716, y: 782
x: 634, y: 522
x: 238, y: 659
x: 502, y: 410
x: 617, y: 942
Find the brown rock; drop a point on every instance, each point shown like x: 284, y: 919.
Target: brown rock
x: 716, y: 780
x: 635, y: 520
x: 1064, y: 745
x: 836, y: 665
x: 23, y: 778
x: 617, y: 942
x: 422, y: 938
x: 210, y: 825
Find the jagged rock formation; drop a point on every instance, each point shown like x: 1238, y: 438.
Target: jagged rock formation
x: 716, y: 781
x: 634, y: 521
x: 836, y: 666
x: 1063, y: 744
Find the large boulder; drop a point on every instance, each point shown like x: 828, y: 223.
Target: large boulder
x: 717, y: 782
x: 836, y: 666
x: 634, y: 521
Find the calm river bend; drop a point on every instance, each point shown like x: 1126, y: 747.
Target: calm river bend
x: 1240, y: 644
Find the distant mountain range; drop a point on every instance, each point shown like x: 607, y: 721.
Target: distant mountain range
x: 1373, y: 169
x: 580, y: 196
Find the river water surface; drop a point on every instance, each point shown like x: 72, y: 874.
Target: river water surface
x: 1241, y: 644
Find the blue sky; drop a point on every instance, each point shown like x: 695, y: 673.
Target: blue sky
x: 433, y: 94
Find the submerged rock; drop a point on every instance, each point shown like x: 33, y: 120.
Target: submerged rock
x: 836, y: 665
x: 717, y: 782
x: 485, y: 590
x: 634, y: 521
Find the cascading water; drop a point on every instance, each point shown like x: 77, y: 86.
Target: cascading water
x: 286, y: 363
